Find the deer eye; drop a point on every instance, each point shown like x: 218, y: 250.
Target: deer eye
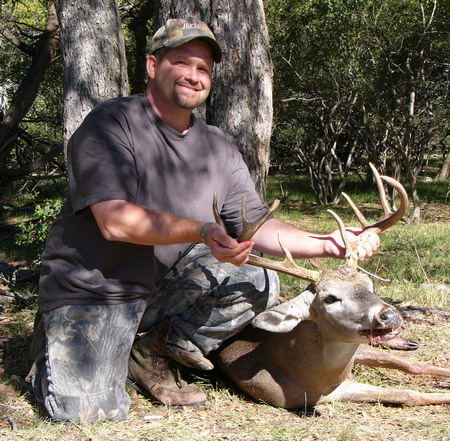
x: 330, y: 299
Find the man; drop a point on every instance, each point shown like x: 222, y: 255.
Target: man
x: 123, y: 292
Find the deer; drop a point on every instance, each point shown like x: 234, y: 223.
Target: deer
x: 301, y: 352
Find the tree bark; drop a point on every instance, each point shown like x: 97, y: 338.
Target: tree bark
x: 241, y: 102
x: 444, y: 172
x: 95, y: 67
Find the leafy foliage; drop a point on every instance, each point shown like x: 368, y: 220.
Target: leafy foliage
x: 354, y: 81
x: 358, y: 81
x: 34, y: 232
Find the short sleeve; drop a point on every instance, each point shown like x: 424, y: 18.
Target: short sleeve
x: 241, y: 186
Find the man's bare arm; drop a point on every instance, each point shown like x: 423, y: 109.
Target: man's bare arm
x: 119, y: 220
x: 303, y: 244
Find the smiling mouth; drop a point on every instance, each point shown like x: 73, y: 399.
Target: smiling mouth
x: 189, y: 87
x: 377, y: 336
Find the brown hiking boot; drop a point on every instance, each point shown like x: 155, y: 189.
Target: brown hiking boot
x: 187, y: 358
x: 151, y: 369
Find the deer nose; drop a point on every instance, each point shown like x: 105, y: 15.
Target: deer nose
x: 389, y: 317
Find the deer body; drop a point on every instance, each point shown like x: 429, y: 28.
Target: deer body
x: 306, y: 349
x: 280, y: 369
x: 301, y: 352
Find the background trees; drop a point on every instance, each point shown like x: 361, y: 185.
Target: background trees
x: 358, y: 81
x: 354, y: 81
x: 30, y: 102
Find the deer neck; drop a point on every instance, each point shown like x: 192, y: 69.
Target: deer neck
x: 338, y: 354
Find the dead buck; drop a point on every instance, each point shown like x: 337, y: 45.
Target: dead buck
x: 301, y: 352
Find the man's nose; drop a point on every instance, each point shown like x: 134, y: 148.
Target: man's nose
x: 192, y: 74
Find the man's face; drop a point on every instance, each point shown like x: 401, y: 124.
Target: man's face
x: 183, y: 75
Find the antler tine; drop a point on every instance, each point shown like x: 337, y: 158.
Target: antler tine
x: 391, y: 217
x: 381, y: 191
x: 250, y: 228
x: 351, y: 253
x: 359, y: 215
x: 382, y: 195
x: 394, y: 217
x: 287, y: 266
x: 217, y: 216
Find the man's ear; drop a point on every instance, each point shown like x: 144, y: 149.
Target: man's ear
x: 151, y: 66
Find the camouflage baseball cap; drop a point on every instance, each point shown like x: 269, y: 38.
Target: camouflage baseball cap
x: 178, y: 31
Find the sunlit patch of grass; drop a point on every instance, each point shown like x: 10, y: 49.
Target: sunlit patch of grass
x: 412, y: 256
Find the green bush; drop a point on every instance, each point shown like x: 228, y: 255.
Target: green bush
x: 34, y: 232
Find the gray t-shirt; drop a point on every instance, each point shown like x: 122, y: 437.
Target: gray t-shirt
x: 123, y: 150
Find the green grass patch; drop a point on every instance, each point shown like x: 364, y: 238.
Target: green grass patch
x: 414, y: 257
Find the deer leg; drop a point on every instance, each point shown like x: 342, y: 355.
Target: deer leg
x: 398, y: 343
x: 365, y: 393
x: 378, y: 358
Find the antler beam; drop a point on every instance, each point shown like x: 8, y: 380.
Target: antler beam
x: 288, y: 266
x: 390, y: 219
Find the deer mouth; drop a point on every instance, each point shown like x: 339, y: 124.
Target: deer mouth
x: 378, y: 336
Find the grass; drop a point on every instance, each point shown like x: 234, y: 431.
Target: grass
x: 411, y: 254
x: 414, y: 257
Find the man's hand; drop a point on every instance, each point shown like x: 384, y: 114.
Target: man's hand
x: 226, y: 249
x: 368, y: 243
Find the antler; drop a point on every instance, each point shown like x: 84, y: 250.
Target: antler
x: 390, y: 219
x: 248, y: 228
x: 288, y: 266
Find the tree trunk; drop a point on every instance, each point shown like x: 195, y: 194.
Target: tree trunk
x: 95, y: 67
x: 241, y: 102
x: 444, y: 172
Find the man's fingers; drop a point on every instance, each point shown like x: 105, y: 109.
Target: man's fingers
x: 237, y: 256
x: 367, y: 245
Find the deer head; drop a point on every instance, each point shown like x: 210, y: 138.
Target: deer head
x: 343, y: 306
x: 340, y: 300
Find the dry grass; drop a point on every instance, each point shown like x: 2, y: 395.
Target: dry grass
x: 230, y: 415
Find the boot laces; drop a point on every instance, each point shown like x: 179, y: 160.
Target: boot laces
x: 167, y: 366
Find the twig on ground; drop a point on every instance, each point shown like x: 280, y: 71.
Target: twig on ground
x: 13, y: 423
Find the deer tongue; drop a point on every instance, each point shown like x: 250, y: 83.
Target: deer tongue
x: 379, y: 336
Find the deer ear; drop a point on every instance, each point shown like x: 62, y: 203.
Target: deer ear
x: 286, y: 316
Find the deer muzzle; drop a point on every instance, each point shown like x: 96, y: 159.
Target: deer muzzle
x: 389, y: 317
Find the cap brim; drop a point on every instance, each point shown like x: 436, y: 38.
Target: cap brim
x: 216, y: 50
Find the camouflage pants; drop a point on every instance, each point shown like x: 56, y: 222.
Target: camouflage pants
x: 80, y: 353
